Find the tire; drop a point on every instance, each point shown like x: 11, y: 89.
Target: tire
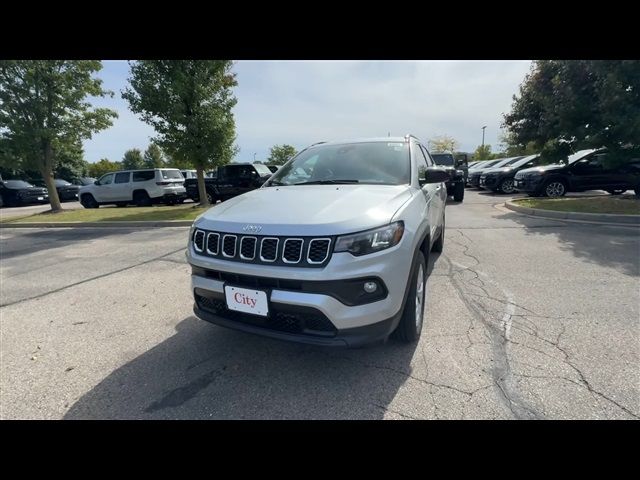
x: 141, y: 199
x: 438, y: 246
x: 87, y: 201
x: 1, y: 201
x: 554, y: 188
x: 458, y: 192
x: 410, y: 326
x: 616, y: 191
x: 506, y: 186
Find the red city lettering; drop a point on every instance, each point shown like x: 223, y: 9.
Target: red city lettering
x: 240, y: 298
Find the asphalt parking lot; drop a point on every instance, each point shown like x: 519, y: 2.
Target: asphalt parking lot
x: 526, y: 318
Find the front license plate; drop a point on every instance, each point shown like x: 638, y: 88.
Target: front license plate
x: 40, y: 198
x: 247, y: 300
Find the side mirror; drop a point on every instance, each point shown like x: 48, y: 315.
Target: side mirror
x: 433, y: 175
x: 96, y: 182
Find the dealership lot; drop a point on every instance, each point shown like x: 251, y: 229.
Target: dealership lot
x: 526, y: 318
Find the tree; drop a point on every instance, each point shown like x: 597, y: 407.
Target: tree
x: 44, y: 111
x: 98, y: 169
x: 483, y: 152
x: 568, y: 105
x: 132, y: 159
x: 443, y: 143
x: 189, y: 103
x: 71, y: 164
x: 279, y: 154
x: 153, y: 157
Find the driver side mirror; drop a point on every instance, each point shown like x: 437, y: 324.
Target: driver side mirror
x: 432, y: 175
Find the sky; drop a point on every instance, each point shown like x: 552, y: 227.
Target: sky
x: 303, y: 102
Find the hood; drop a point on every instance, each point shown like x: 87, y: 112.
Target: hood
x: 308, y: 209
x: 497, y: 170
x: 542, y: 168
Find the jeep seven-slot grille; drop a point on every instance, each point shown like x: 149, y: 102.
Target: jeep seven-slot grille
x: 284, y: 251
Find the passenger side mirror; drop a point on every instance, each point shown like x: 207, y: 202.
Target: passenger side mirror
x: 432, y: 175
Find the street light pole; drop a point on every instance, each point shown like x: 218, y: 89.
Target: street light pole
x: 483, y: 136
x: 254, y: 158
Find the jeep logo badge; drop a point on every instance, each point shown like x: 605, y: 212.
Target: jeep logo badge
x: 252, y: 228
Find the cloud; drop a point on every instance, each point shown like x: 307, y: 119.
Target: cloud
x: 302, y: 102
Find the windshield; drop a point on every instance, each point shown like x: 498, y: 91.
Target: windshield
x: 384, y: 163
x: 443, y: 158
x: 61, y: 183
x: 523, y: 161
x: 167, y: 174
x: 87, y: 180
x: 578, y: 155
x: 16, y: 184
x: 506, y: 161
x: 486, y: 164
x: 262, y: 169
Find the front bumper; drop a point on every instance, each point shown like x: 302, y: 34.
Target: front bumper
x: 528, y: 184
x: 474, y: 180
x: 488, y: 182
x: 351, y: 325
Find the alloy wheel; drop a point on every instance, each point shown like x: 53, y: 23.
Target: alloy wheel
x: 555, y: 189
x: 507, y: 186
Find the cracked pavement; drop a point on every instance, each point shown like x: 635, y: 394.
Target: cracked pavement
x: 526, y: 318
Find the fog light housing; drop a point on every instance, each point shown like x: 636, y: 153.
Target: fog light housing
x: 370, y: 287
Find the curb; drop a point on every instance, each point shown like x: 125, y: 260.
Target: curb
x: 587, y: 217
x: 147, y: 224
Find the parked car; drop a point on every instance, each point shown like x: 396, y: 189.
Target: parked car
x: 67, y: 192
x: 584, y: 170
x: 501, y: 179
x: 343, y: 263
x: 189, y: 174
x: 16, y: 193
x: 474, y: 175
x: 228, y: 181
x: 457, y: 180
x: 138, y: 187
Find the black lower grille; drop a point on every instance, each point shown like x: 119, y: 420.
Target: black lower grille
x: 292, y: 250
x: 303, y: 320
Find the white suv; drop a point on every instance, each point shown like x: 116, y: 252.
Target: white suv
x: 339, y: 257
x: 140, y: 187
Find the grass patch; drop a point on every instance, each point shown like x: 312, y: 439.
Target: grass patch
x: 126, y: 214
x: 625, y: 205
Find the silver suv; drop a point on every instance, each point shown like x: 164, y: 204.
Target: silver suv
x: 140, y: 187
x: 331, y: 250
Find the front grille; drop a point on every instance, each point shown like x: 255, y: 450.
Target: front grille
x: 292, y: 250
x: 283, y: 251
x: 304, y: 320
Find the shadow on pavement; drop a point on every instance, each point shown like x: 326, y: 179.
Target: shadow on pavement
x: 205, y: 371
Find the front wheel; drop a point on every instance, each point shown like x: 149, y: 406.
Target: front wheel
x: 506, y: 186
x: 458, y: 192
x: 87, y: 201
x: 141, y: 199
x: 616, y: 191
x: 410, y: 326
x: 555, y: 188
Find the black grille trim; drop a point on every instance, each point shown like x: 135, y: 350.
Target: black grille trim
x: 275, y: 254
x: 311, y: 246
x: 253, y: 254
x: 284, y: 250
x: 198, y: 237
x: 217, y: 241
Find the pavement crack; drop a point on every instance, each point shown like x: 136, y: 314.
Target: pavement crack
x: 397, y: 412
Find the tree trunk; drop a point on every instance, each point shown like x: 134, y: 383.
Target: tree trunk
x: 47, y: 176
x: 202, y: 191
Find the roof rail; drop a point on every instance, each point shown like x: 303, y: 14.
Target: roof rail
x: 408, y: 136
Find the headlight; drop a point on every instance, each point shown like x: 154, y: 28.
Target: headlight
x: 533, y: 174
x: 371, y: 241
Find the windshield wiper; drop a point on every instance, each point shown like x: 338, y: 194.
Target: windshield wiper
x: 275, y: 183
x: 327, y: 182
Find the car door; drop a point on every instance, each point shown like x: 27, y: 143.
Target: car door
x: 122, y: 190
x: 103, y: 191
x: 431, y: 191
x: 588, y: 173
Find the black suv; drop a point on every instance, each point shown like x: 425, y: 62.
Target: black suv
x: 584, y: 170
x: 501, y: 179
x: 228, y: 181
x: 476, y: 172
x: 457, y: 178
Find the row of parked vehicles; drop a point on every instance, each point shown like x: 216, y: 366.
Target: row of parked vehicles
x: 584, y: 170
x: 17, y: 193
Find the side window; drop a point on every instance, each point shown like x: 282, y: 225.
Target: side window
x: 106, y: 179
x: 421, y: 161
x: 144, y: 175
x: 430, y: 162
x: 122, y: 177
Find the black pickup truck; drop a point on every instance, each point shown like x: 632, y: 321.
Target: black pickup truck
x: 229, y: 181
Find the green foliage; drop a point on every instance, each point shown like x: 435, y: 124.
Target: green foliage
x: 569, y: 105
x: 280, y: 154
x: 153, y: 157
x: 482, y: 152
x: 189, y: 104
x: 98, y: 169
x: 44, y: 113
x: 443, y: 143
x: 132, y: 159
x: 71, y: 164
